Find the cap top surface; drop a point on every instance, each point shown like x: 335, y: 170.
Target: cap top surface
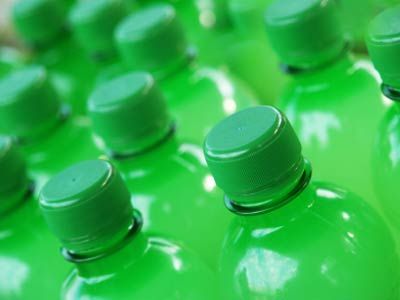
x: 85, y: 11
x: 239, y: 131
x: 79, y: 179
x: 284, y: 10
x: 145, y: 21
x: 386, y: 26
x: 5, y: 144
x: 20, y: 81
x: 121, y: 89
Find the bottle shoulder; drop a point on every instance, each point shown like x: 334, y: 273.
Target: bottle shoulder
x: 331, y: 214
x: 174, y: 270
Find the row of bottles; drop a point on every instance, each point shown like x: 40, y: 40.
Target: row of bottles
x: 161, y: 177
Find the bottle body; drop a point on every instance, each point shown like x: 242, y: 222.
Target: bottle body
x: 163, y: 270
x: 69, y: 142
x: 334, y: 111
x: 177, y: 196
x: 317, y: 246
x: 199, y: 97
x: 31, y: 265
x: 254, y: 50
x: 386, y: 170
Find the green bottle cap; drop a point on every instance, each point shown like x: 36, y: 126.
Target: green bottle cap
x: 87, y: 206
x: 93, y: 24
x: 29, y: 105
x: 39, y: 21
x: 383, y: 43
x: 254, y: 155
x: 153, y: 40
x: 305, y: 33
x: 14, y: 182
x: 129, y: 113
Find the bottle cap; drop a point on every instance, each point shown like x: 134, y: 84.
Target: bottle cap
x: 29, y: 105
x: 254, y: 152
x: 39, y: 21
x: 383, y: 43
x: 93, y: 24
x: 14, y: 182
x: 305, y: 33
x: 152, y: 39
x: 129, y: 113
x: 87, y: 206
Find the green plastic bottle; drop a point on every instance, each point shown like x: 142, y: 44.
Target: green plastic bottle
x: 30, y: 266
x: 292, y: 237
x: 49, y: 136
x: 383, y: 45
x: 333, y: 101
x: 198, y: 96
x: 42, y: 25
x: 252, y: 56
x: 88, y: 208
x: 167, y: 175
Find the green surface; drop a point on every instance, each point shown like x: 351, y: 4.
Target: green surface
x: 129, y: 113
x: 383, y: 43
x: 28, y: 103
x: 304, y: 33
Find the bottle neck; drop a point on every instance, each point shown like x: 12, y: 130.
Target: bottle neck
x: 111, y: 260
x: 295, y: 208
x: 267, y: 202
x: 48, y: 129
x: 391, y: 92
x: 332, y: 64
x: 160, y: 142
x: 176, y: 66
x: 11, y: 201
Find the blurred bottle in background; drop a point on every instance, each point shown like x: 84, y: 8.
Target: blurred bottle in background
x: 333, y: 100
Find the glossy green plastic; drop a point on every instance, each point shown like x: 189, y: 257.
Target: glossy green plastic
x: 10, y: 59
x: 212, y: 26
x: 334, y: 106
x: 42, y: 25
x: 290, y: 236
x: 356, y: 26
x: 305, y: 33
x: 30, y: 264
x: 383, y: 46
x: 251, y: 56
x: 49, y: 136
x: 198, y: 96
x: 130, y: 265
x: 166, y: 175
